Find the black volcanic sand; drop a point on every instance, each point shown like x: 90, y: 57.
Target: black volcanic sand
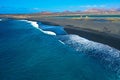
x: 110, y: 37
x: 98, y: 30
x: 96, y: 36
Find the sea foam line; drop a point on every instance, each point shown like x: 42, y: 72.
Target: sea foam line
x: 107, y: 55
x: 0, y: 19
x: 34, y: 24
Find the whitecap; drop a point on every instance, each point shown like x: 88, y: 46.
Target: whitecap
x: 61, y: 42
x: 34, y: 24
x: 59, y: 30
x: 0, y: 19
x: 48, y: 32
x: 108, y: 56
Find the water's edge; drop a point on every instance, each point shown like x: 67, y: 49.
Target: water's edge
x: 33, y: 50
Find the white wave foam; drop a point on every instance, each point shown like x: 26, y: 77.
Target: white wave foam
x: 34, y: 24
x: 49, y: 32
x: 107, y: 55
x: 59, y: 30
x: 61, y: 42
x: 0, y: 19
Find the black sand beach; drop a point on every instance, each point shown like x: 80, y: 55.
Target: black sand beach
x: 99, y: 30
x: 104, y: 32
x: 96, y: 36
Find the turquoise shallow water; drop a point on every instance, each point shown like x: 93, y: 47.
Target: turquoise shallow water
x: 29, y: 51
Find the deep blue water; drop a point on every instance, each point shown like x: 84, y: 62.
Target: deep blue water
x: 34, y: 51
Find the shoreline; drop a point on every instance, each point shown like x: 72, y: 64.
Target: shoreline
x: 73, y: 27
x: 94, y: 35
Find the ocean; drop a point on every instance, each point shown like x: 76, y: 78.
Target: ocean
x: 31, y: 50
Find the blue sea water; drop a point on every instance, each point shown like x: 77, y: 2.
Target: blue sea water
x: 34, y: 51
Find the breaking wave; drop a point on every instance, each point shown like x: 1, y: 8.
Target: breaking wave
x: 32, y: 50
x: 107, y: 55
